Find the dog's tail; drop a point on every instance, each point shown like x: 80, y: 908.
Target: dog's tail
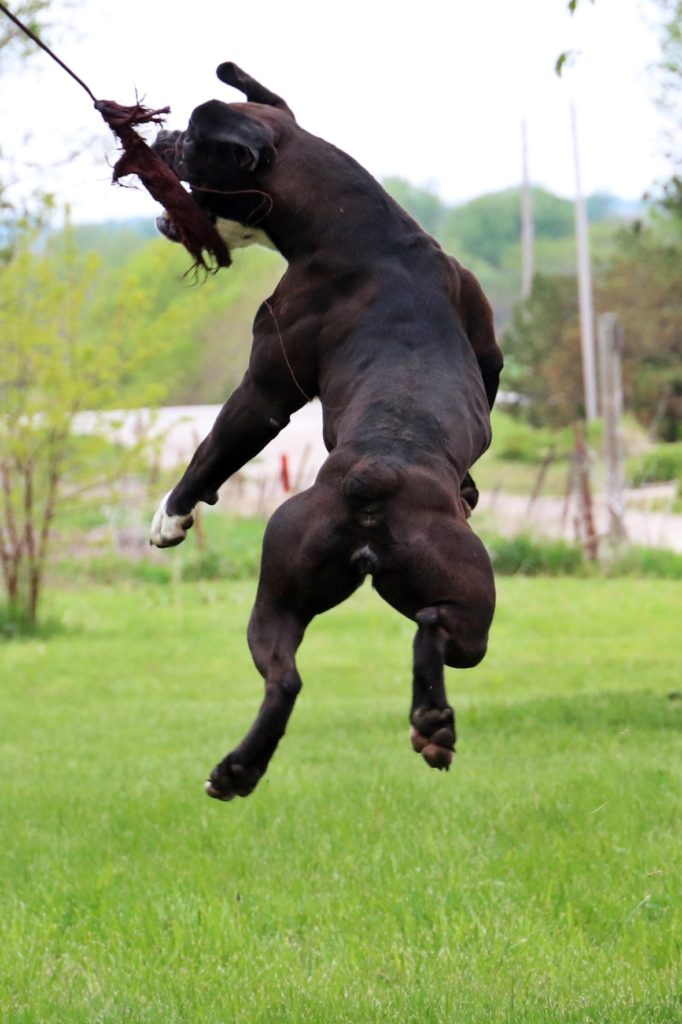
x: 366, y: 486
x: 370, y: 480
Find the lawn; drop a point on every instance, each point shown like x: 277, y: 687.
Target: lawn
x: 539, y: 881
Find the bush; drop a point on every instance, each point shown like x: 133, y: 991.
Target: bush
x: 15, y: 624
x: 658, y: 563
x: 526, y: 556
x: 231, y: 551
x: 517, y: 441
x: 662, y: 464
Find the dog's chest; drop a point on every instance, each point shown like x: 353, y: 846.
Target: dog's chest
x: 238, y: 236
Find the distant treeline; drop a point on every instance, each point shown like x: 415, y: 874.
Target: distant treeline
x: 208, y: 325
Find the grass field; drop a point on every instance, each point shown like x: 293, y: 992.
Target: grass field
x: 539, y: 881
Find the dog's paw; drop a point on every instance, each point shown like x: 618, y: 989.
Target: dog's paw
x: 167, y: 530
x: 230, y: 779
x: 433, y: 736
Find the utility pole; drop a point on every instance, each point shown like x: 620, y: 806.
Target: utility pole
x: 527, y: 232
x: 585, y: 300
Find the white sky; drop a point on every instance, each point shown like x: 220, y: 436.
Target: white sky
x: 433, y: 91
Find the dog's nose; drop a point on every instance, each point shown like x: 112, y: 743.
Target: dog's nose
x: 168, y: 145
x: 164, y: 140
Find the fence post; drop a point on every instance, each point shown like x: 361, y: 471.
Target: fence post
x: 584, y: 492
x: 610, y: 335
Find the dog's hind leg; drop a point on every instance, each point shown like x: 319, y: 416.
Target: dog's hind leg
x: 305, y: 569
x: 433, y: 720
x: 274, y: 637
x: 439, y: 575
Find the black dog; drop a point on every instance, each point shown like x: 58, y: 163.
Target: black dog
x: 396, y: 339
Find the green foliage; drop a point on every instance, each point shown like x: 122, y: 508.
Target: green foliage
x: 484, y: 234
x: 201, y: 327
x: 524, y: 555
x: 643, y: 563
x: 16, y: 624
x: 426, y: 207
x: 527, y: 556
x: 639, y: 282
x: 641, y: 285
x: 488, y: 226
x: 115, y: 241
x: 670, y: 98
x: 51, y: 369
x: 542, y: 348
x: 205, y: 326
x: 661, y: 464
x: 12, y: 39
x: 225, y: 548
x: 14, y: 44
x: 518, y: 441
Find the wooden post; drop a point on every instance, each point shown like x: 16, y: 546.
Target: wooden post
x: 540, y: 480
x: 610, y: 336
x: 586, y: 519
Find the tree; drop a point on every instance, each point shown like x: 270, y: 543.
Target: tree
x: 12, y: 39
x: 639, y: 282
x: 641, y: 285
x: 425, y: 206
x: 542, y: 352
x: 49, y: 372
x: 670, y: 98
x: 13, y: 43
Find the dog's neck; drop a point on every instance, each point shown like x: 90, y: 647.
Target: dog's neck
x: 320, y: 200
x: 354, y: 219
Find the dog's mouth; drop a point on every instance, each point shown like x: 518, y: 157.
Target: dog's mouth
x: 171, y: 147
x: 234, y: 209
x: 168, y: 145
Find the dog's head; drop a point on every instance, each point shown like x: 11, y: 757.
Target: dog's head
x: 223, y: 151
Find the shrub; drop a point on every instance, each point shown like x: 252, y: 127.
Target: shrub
x: 526, y: 556
x: 659, y: 563
x: 518, y: 441
x: 663, y: 463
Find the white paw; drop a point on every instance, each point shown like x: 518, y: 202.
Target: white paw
x: 167, y: 531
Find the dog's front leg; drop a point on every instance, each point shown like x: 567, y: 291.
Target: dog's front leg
x: 251, y: 417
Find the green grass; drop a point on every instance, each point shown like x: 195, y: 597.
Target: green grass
x: 539, y: 881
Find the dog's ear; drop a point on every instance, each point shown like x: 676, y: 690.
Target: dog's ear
x: 232, y: 75
x: 219, y: 123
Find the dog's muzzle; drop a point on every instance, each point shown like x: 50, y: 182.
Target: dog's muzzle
x: 169, y: 146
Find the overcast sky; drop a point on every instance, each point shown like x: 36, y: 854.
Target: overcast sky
x: 433, y: 91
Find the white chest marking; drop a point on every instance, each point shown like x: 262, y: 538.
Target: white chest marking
x: 238, y: 236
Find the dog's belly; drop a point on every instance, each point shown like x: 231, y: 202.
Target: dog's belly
x: 238, y: 236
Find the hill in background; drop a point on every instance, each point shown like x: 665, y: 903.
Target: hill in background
x: 206, y: 325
